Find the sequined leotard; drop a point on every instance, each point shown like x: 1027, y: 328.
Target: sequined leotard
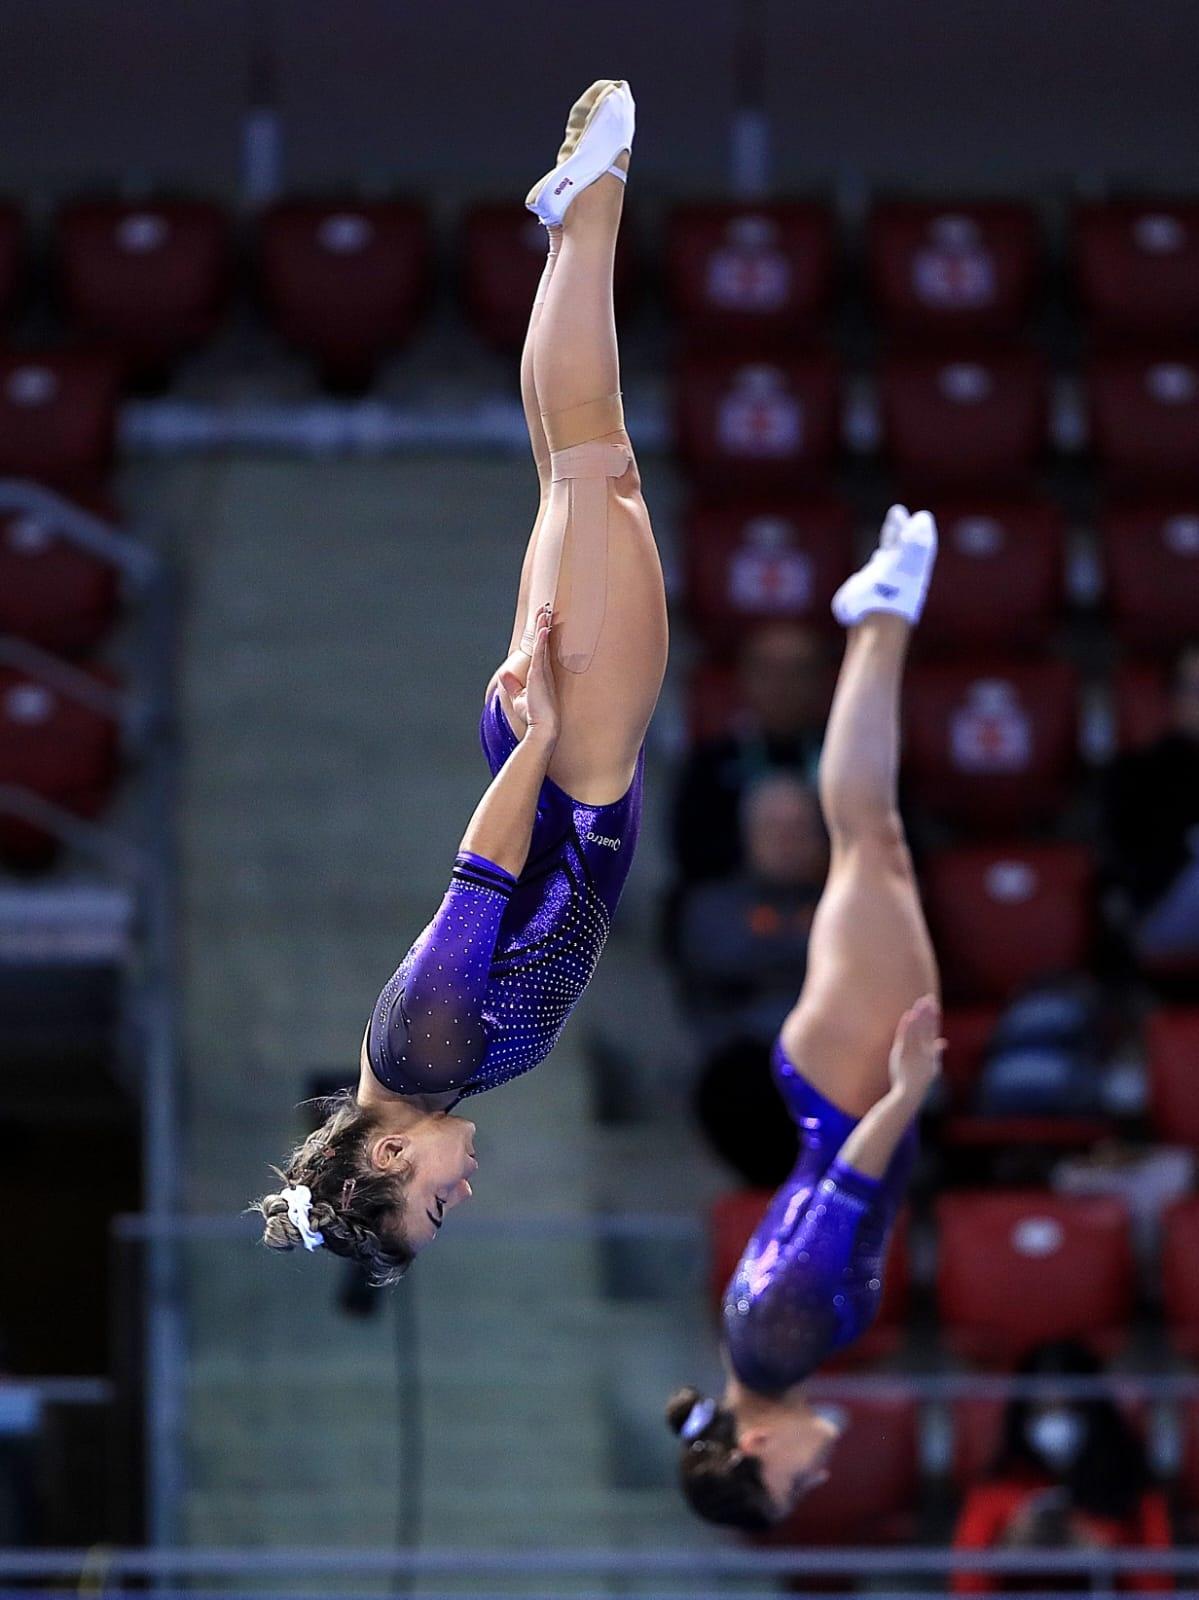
x: 810, y: 1279
x: 486, y: 989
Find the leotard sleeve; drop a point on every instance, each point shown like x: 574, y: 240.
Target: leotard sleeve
x: 426, y: 1032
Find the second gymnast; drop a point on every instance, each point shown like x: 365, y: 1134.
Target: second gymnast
x: 486, y: 989
x: 853, y: 1063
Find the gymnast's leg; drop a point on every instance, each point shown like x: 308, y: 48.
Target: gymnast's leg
x: 592, y: 555
x: 869, y: 957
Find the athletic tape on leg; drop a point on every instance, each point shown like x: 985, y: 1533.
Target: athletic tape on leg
x: 594, y: 419
x: 572, y: 572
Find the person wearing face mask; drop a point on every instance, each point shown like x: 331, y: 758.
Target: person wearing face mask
x: 1070, y: 1475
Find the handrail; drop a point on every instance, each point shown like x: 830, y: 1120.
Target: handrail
x: 84, y: 528
x: 60, y: 1391
x: 702, y: 1559
x: 66, y: 679
x: 89, y: 838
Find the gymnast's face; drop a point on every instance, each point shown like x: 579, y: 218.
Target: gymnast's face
x: 437, y: 1156
x: 793, y: 1452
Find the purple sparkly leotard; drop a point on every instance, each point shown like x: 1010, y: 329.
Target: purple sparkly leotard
x: 811, y: 1277
x: 486, y: 989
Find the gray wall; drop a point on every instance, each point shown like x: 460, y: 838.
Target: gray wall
x: 472, y: 94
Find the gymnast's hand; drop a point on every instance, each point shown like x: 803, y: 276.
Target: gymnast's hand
x: 536, y: 700
x: 916, y: 1054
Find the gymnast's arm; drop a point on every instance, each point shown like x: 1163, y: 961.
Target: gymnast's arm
x: 914, y: 1065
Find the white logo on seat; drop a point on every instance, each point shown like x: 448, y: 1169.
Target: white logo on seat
x: 141, y: 232
x: 991, y: 731
x: 760, y: 418
x: 978, y: 536
x: 1038, y: 1236
x: 344, y: 233
x: 28, y: 703
x: 1010, y: 882
x: 1158, y: 233
x: 1181, y: 535
x: 1172, y: 383
x: 31, y: 386
x: 29, y: 535
x: 965, y: 382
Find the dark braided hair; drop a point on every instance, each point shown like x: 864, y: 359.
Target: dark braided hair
x: 354, y: 1206
x: 719, y: 1482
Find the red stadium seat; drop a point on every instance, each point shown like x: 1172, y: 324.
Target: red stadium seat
x: 58, y: 748
x: 945, y: 268
x: 151, y: 279
x: 345, y: 280
x: 1145, y: 421
x: 1018, y: 1268
x: 52, y: 592
x: 1172, y: 1046
x: 1004, y: 917
x: 1180, y: 1279
x: 758, y: 427
x: 1151, y: 556
x: 58, y: 414
x: 759, y: 562
x: 871, y: 1495
x: 1137, y: 265
x: 967, y: 1030
x: 991, y: 747
x: 503, y: 254
x: 735, y: 1216
x: 1189, y: 1474
x: 12, y: 232
x: 999, y: 575
x: 749, y: 271
x: 1141, y: 703
x: 973, y: 423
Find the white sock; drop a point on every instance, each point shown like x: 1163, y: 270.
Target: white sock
x: 897, y: 576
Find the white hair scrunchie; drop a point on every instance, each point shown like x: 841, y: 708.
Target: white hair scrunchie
x: 299, y: 1212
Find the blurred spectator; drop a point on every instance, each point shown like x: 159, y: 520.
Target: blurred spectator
x: 740, y: 956
x: 1153, y: 827
x: 1070, y: 1475
x: 783, y: 680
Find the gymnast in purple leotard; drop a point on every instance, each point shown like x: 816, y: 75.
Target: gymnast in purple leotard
x: 486, y: 989
x: 853, y: 1063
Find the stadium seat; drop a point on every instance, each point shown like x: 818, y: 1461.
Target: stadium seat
x: 1151, y: 561
x: 756, y: 427
x: 991, y: 747
x: 734, y: 1217
x: 715, y: 705
x: 1004, y: 917
x: 12, y: 234
x: 1172, y: 1050
x: 503, y: 254
x: 52, y: 592
x: 872, y: 1493
x: 1145, y: 421
x: 149, y: 279
x: 1000, y: 568
x: 1140, y: 703
x: 1137, y: 267
x: 974, y: 423
x: 345, y: 280
x: 1017, y: 1268
x: 747, y: 271
x: 967, y: 1030
x: 58, y: 414
x: 1180, y: 1280
x: 757, y: 562
x: 1189, y: 1465
x: 953, y: 269
x: 57, y: 747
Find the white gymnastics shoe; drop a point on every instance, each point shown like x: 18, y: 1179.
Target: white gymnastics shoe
x: 599, y: 128
x: 897, y: 576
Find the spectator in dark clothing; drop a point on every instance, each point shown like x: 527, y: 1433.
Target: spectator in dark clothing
x: 1153, y: 828
x: 784, y: 678
x: 1070, y: 1475
x: 741, y: 951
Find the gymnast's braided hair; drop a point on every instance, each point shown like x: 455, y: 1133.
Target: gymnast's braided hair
x: 345, y: 1204
x: 719, y: 1482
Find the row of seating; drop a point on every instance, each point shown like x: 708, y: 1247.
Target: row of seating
x: 1015, y: 1268
x: 346, y: 278
x: 875, y: 1492
x: 1000, y: 577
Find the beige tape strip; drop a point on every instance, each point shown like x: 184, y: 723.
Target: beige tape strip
x: 580, y: 424
x: 572, y: 573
